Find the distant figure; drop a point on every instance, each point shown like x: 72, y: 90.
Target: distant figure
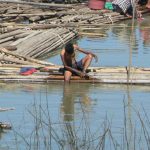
x: 69, y: 60
x: 124, y: 7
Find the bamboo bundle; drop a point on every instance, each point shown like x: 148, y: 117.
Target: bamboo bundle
x: 42, y: 43
x: 30, y: 35
x: 13, y: 38
x: 9, y: 39
x: 15, y: 32
x: 55, y: 44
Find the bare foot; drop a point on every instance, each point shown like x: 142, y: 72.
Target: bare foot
x: 139, y: 14
x: 129, y: 16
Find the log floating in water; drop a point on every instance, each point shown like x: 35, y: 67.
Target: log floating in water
x: 6, y: 109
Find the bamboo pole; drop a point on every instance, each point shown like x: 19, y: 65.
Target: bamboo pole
x: 53, y: 44
x: 33, y: 61
x: 6, y: 35
x: 44, y: 5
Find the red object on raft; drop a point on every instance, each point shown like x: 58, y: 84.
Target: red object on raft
x: 96, y: 4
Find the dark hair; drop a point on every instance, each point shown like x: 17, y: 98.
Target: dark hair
x: 69, y: 48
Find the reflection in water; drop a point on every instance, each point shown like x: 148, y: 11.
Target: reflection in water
x: 80, y: 127
x: 68, y: 103
x: 72, y: 95
x: 130, y: 137
x: 145, y: 31
x: 2, y: 132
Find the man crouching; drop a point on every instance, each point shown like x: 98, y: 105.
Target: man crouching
x: 68, y: 56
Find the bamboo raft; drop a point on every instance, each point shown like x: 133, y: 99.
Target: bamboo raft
x: 11, y: 65
x: 103, y: 75
x: 31, y: 30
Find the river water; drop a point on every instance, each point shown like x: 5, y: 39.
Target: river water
x: 84, y: 116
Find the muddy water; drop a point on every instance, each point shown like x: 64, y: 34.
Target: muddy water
x: 47, y: 115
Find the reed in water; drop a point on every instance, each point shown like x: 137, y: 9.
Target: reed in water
x: 77, y: 135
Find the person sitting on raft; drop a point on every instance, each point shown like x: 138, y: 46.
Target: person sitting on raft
x: 69, y: 61
x: 125, y: 7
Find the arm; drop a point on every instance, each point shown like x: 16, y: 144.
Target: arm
x: 62, y: 57
x: 81, y: 74
x: 85, y: 52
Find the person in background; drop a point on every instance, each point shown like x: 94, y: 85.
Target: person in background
x: 124, y: 7
x: 68, y: 57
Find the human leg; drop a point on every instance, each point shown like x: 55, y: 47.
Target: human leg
x: 129, y: 12
x: 86, y: 61
x: 67, y: 75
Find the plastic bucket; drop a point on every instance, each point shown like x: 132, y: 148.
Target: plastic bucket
x: 96, y: 4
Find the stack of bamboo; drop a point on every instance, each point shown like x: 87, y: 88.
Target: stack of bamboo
x: 36, y: 43
x: 40, y: 43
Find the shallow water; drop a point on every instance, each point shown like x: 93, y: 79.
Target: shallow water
x: 114, y: 49
x: 87, y: 109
